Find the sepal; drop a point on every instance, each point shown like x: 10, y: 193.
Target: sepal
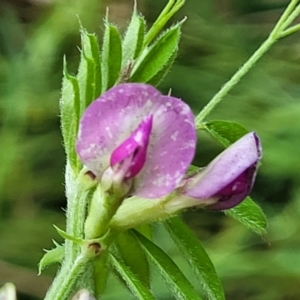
x: 52, y: 256
x: 67, y: 236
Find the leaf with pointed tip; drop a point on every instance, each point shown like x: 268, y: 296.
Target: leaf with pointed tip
x: 69, y: 111
x: 225, y: 132
x: 156, y: 80
x: 138, y: 289
x: 67, y: 236
x: 195, y: 254
x: 111, y: 56
x: 89, y: 73
x: 178, y: 283
x: 155, y: 61
x: 146, y: 230
x: 249, y: 214
x: 133, y: 39
x: 52, y: 256
x: 133, y: 256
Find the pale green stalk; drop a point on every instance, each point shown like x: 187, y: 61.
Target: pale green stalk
x: 171, y: 8
x: 77, y: 201
x: 282, y: 20
x: 77, y: 196
x: 278, y: 32
x: 65, y: 281
x: 290, y: 31
x: 291, y: 17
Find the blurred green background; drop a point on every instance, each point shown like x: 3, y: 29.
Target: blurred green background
x: 218, y: 37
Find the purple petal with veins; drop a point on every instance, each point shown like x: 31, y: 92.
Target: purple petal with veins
x: 230, y: 176
x: 118, y: 117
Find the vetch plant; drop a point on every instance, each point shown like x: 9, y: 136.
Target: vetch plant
x: 129, y: 151
x: 133, y: 154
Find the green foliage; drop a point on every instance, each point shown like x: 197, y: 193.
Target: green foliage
x: 70, y: 110
x: 136, y: 286
x: 131, y: 253
x: 192, y: 250
x: 52, y: 256
x: 111, y: 56
x: 249, y: 214
x: 133, y: 39
x: 167, y: 13
x: 154, y: 62
x: 89, y: 74
x: 159, y: 76
x: 225, y: 132
x: 177, y: 282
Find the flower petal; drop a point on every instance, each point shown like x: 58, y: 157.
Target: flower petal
x: 112, y: 119
x: 133, y: 149
x: 230, y: 176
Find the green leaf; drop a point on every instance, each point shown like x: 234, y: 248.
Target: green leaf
x: 197, y: 257
x: 155, y: 61
x: 95, y: 51
x: 133, y: 256
x: 178, y: 283
x: 69, y: 111
x: 89, y: 73
x: 146, y: 230
x: 133, y: 39
x: 67, y: 236
x: 111, y: 56
x: 164, y: 71
x: 100, y: 274
x: 225, y: 132
x: 51, y: 256
x: 138, y: 289
x: 249, y: 214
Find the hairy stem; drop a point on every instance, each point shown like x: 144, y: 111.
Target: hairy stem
x: 279, y: 31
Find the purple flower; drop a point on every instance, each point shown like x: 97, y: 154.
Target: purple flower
x: 134, y: 133
x: 229, y: 178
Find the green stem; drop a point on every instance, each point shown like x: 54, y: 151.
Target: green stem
x: 290, y: 31
x: 285, y: 20
x: 64, y: 283
x: 291, y: 17
x: 282, y: 20
x: 234, y: 80
x: 77, y: 196
x: 171, y: 8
